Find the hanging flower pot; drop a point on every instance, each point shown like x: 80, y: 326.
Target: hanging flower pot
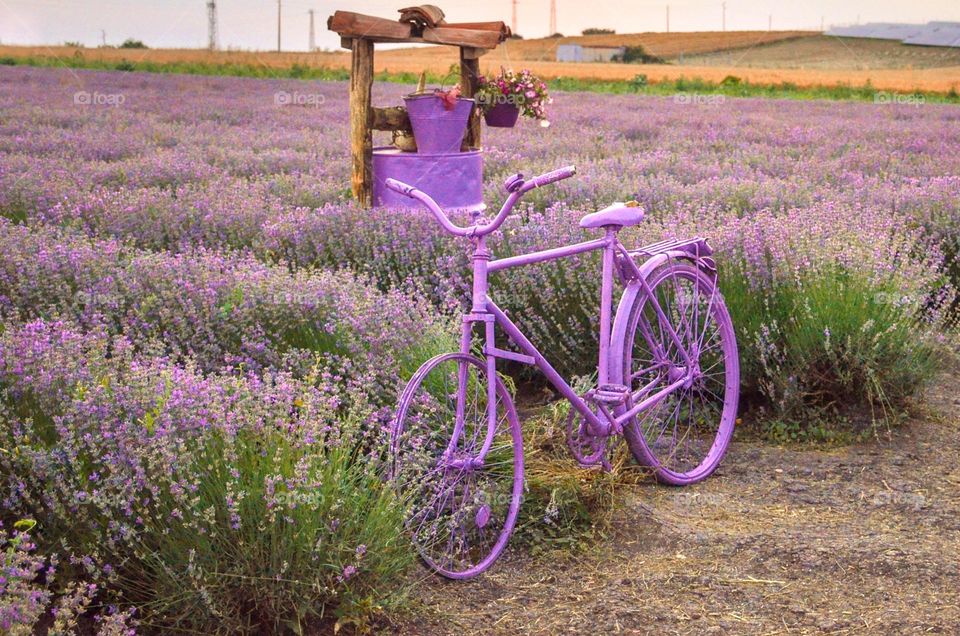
x: 504, y: 97
x: 439, y: 121
x: 502, y: 116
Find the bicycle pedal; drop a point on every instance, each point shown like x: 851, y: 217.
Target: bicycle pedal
x: 611, y: 394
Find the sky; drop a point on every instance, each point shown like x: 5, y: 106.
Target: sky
x: 252, y: 24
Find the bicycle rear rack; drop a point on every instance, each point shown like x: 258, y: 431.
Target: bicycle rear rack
x: 697, y: 249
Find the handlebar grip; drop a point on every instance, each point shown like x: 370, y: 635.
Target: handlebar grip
x: 400, y: 187
x: 551, y: 177
x: 513, y: 183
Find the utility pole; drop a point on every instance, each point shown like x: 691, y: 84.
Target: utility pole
x: 212, y: 25
x: 278, y: 26
x: 553, y: 16
x: 724, y: 5
x: 313, y: 34
x: 103, y: 37
x: 513, y: 26
x: 821, y: 24
x: 770, y: 22
x: 668, y: 18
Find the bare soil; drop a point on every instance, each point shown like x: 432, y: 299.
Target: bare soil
x: 863, y: 539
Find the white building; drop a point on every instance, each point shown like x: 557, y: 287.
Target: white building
x: 579, y: 53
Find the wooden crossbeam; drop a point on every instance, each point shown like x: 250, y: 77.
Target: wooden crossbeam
x: 474, y: 38
x: 357, y: 25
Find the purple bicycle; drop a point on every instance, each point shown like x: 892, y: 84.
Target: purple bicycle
x: 668, y: 381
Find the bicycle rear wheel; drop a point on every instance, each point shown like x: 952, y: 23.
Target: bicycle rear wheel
x: 458, y: 471
x: 684, y: 436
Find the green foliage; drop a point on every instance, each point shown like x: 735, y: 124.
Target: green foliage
x: 566, y: 506
x: 131, y: 43
x: 637, y: 55
x: 125, y: 66
x: 596, y: 31
x: 267, y: 574
x: 828, y: 345
x: 639, y: 81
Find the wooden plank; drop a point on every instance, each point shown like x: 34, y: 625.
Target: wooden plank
x: 469, y: 81
x: 361, y: 136
x: 462, y: 37
x: 394, y: 118
x: 499, y: 27
x: 357, y: 25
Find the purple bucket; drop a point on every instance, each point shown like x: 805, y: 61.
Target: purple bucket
x: 502, y: 116
x: 436, y: 129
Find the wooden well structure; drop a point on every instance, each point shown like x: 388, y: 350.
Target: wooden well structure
x: 421, y: 24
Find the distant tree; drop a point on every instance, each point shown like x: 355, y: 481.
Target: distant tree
x: 516, y: 36
x: 593, y: 31
x: 130, y: 43
x: 74, y: 45
x: 637, y: 55
x: 556, y: 35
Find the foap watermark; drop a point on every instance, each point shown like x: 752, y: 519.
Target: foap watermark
x: 688, y: 500
x: 86, y: 98
x: 899, y: 99
x: 916, y: 501
x: 897, y: 300
x: 510, y: 99
x: 699, y: 99
x: 296, y: 98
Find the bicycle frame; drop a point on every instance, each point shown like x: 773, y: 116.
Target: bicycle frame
x: 485, y: 310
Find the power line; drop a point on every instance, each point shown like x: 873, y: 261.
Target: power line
x: 278, y: 25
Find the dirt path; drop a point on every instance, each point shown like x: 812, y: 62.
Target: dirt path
x: 864, y: 539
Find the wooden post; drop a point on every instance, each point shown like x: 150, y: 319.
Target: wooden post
x: 469, y: 79
x: 361, y: 135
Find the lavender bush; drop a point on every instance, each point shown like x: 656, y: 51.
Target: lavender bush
x: 218, y: 503
x: 220, y: 310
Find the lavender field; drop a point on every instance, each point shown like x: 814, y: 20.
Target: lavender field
x: 202, y: 336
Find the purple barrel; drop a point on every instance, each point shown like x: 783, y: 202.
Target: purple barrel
x: 436, y: 129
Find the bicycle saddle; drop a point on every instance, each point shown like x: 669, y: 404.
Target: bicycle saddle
x: 618, y: 214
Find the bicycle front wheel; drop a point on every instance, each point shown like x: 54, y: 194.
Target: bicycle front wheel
x: 684, y: 435
x: 457, y: 462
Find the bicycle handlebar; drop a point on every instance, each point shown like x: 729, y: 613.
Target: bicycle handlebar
x: 515, y: 185
x: 551, y: 177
